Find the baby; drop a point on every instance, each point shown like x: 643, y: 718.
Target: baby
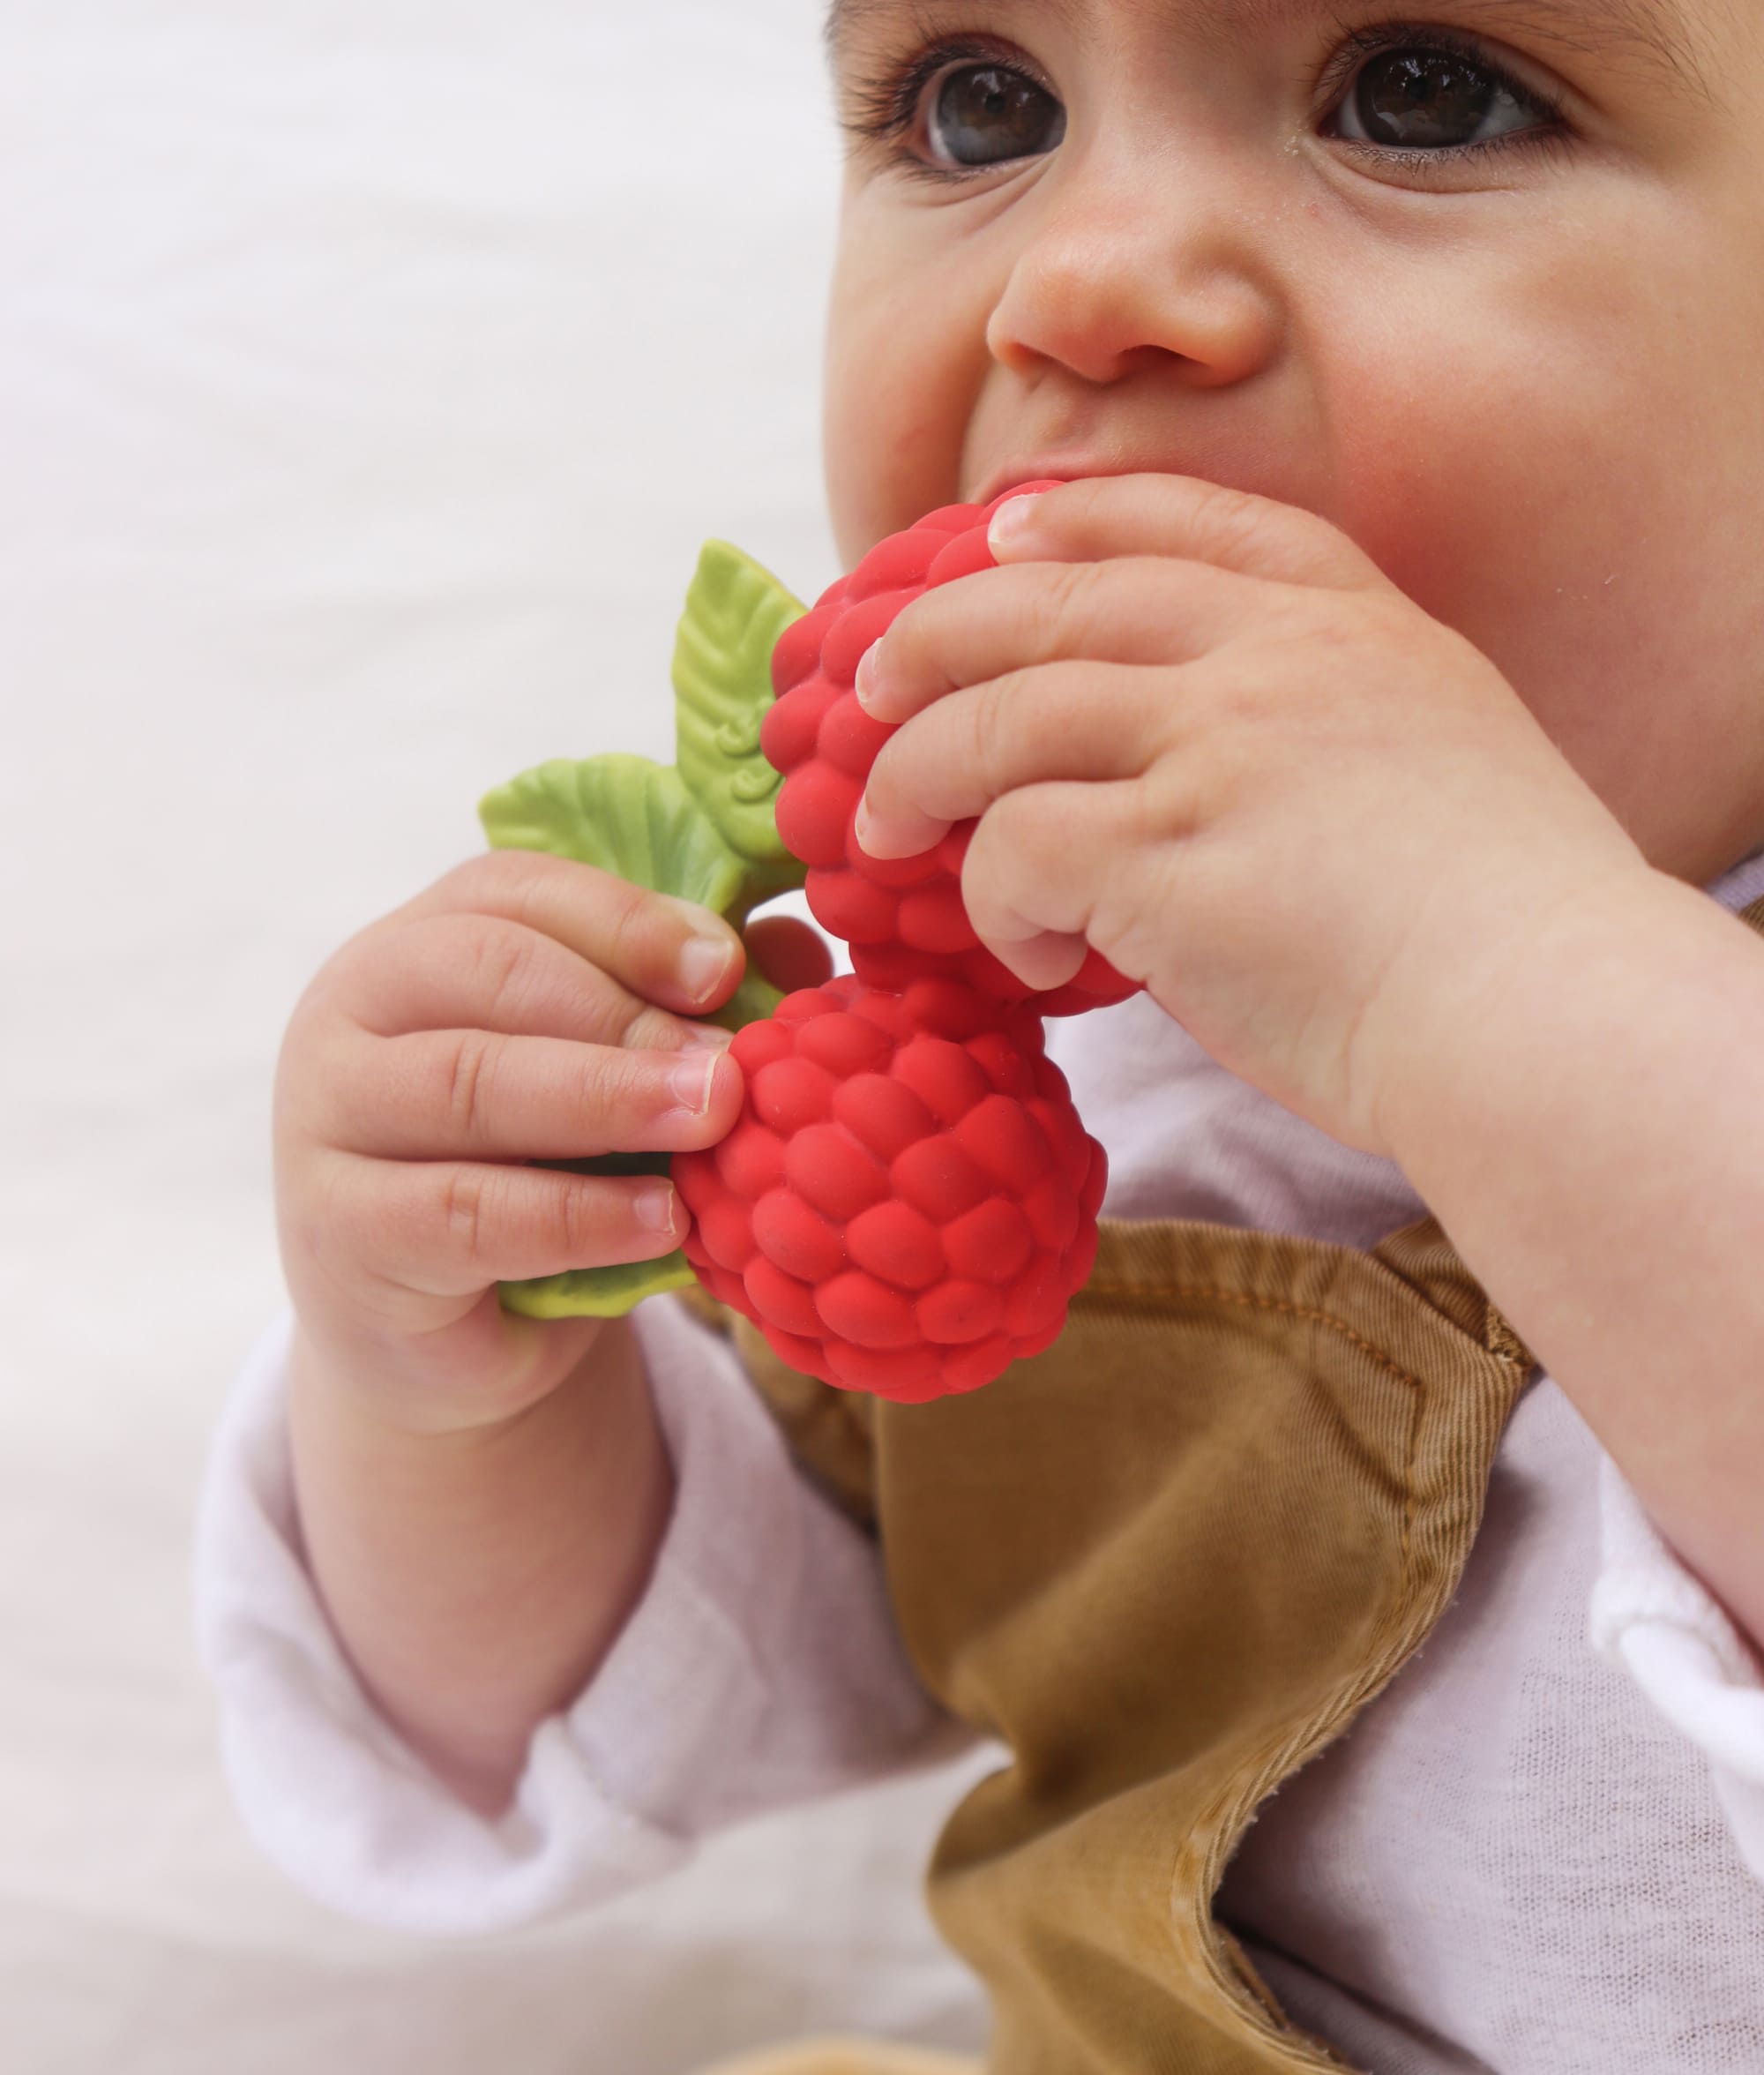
x: 1383, y: 686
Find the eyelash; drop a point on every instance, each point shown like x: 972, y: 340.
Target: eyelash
x: 886, y: 107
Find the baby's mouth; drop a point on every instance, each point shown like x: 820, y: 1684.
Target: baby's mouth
x: 1065, y: 466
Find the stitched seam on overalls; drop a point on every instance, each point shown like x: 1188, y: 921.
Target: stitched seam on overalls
x: 1153, y: 1291
x: 1502, y: 1343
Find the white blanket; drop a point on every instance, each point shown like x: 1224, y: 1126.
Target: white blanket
x: 369, y: 377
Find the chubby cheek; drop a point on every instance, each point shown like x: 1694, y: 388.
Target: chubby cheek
x: 906, y: 359
x: 1554, y: 506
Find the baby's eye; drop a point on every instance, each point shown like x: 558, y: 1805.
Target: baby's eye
x: 1435, y: 99
x: 985, y: 115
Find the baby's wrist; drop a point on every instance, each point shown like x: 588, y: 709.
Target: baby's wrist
x: 477, y: 1576
x: 374, y: 1393
x: 1439, y: 1054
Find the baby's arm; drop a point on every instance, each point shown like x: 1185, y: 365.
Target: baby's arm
x: 1588, y: 1135
x: 761, y: 1668
x: 1588, y: 1130
x: 481, y: 1496
x: 479, y: 1577
x: 503, y: 1615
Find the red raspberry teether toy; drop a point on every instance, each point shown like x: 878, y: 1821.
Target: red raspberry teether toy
x: 907, y: 1200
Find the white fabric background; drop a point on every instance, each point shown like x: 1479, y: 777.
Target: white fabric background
x: 369, y: 377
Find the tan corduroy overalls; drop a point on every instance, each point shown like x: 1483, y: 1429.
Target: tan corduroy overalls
x: 1167, y: 1563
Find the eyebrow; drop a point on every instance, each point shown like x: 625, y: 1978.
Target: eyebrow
x: 1580, y: 27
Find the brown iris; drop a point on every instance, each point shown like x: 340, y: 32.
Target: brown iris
x: 1411, y: 97
x: 987, y: 113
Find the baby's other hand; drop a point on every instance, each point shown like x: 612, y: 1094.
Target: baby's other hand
x: 1202, y: 731
x: 525, y: 1008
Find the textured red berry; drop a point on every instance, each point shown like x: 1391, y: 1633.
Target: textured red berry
x: 908, y: 1202
x: 917, y: 1229
x: 903, y: 918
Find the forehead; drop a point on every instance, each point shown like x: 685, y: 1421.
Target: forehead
x: 1657, y: 34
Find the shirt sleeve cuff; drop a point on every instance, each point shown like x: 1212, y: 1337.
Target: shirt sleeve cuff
x: 762, y: 1666
x: 1653, y: 1619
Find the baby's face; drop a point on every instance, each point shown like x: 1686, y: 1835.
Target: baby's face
x: 1484, y: 287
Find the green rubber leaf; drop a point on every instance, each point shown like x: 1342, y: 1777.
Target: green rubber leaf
x: 753, y: 1002
x: 625, y: 814
x: 722, y: 688
x: 703, y: 830
x: 596, y: 1293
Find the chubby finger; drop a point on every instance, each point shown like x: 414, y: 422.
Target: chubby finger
x: 1143, y: 609
x: 454, y: 969
x: 1082, y: 721
x: 437, y: 1094
x: 1186, y: 517
x: 666, y: 950
x: 1035, y: 879
x: 451, y: 1228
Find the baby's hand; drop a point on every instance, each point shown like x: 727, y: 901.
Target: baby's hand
x: 524, y: 1008
x: 1203, y: 732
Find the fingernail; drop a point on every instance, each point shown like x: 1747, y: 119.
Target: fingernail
x: 702, y: 963
x: 861, y: 824
x: 655, y: 1207
x: 869, y: 672
x: 1011, y: 522
x: 690, y: 1082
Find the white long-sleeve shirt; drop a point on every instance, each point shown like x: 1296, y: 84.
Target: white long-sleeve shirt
x: 1540, y: 1852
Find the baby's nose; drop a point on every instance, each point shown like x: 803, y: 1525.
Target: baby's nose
x: 1119, y: 274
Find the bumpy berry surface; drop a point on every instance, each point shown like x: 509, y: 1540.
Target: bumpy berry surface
x: 903, y: 918
x: 908, y: 1202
